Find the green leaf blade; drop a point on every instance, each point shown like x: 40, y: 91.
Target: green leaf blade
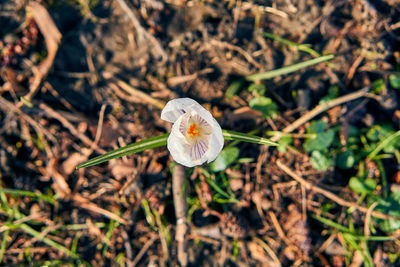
x: 237, y: 136
x: 152, y: 142
x: 161, y: 140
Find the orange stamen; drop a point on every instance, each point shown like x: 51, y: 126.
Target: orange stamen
x: 192, y: 131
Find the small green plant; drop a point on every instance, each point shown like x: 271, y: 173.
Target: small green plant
x: 354, y: 240
x: 18, y: 221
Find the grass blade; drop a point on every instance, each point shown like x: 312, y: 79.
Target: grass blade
x: 301, y: 47
x: 152, y: 142
x: 3, y: 244
x: 243, y: 137
x: 289, y: 69
x: 332, y: 224
x: 46, y: 240
x: 27, y: 193
x: 382, y: 144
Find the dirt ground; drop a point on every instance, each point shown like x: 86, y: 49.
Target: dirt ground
x: 82, y: 77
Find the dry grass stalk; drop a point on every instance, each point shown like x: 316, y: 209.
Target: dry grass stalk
x: 330, y: 195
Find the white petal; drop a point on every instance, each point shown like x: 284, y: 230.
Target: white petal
x: 192, y: 151
x: 198, y: 149
x: 180, y: 149
x: 177, y: 107
x: 200, y: 112
x: 216, y: 142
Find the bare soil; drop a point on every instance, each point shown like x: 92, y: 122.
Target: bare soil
x: 190, y: 49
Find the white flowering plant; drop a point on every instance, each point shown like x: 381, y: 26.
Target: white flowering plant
x: 195, y: 138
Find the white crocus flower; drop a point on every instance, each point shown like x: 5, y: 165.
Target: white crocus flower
x: 196, y: 136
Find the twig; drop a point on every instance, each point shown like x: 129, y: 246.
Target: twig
x: 93, y: 78
x: 266, y: 9
x: 49, y: 87
x: 270, y: 252
x: 139, y: 94
x: 142, y: 35
x: 84, y: 203
x: 52, y: 38
x: 86, y: 140
x: 174, y: 81
x: 331, y: 196
x: 8, y: 106
x: 319, y: 109
x: 353, y: 68
x: 204, y: 239
x: 146, y: 246
x: 99, y: 129
x: 326, y: 243
x: 244, y: 53
x: 182, y: 227
x: 60, y: 182
x: 278, y: 228
x: 128, y: 249
x: 368, y: 217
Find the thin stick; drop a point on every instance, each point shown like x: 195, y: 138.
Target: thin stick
x: 146, y: 246
x: 52, y: 38
x: 86, y: 140
x: 98, y: 130
x: 244, y: 53
x: 128, y: 249
x: 330, y: 195
x: 142, y: 35
x: 141, y: 95
x: 84, y: 203
x: 278, y: 228
x: 270, y: 252
x: 319, y: 109
x: 40, y: 130
x: 182, y: 227
x: 368, y: 218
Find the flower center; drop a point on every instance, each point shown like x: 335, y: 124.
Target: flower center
x: 193, y: 130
